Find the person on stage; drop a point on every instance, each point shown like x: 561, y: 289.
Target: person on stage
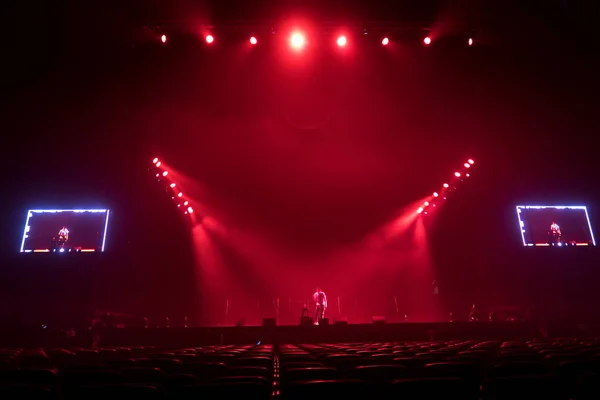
x: 63, y: 237
x: 555, y: 232
x: 321, y: 302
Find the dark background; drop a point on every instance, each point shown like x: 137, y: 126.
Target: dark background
x: 91, y: 97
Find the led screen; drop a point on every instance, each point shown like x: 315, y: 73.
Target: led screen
x: 555, y: 226
x: 61, y: 231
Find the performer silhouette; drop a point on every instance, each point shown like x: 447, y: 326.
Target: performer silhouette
x: 63, y: 237
x: 555, y: 233
x: 321, y: 302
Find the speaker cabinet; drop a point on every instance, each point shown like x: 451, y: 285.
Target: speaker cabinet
x: 307, y: 321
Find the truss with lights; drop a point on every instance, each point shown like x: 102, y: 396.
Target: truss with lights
x: 163, y: 177
x: 447, y: 188
x: 299, y: 38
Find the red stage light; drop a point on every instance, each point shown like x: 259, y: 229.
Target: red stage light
x: 427, y: 40
x: 185, y: 203
x: 470, y: 41
x: 163, y: 38
x: 467, y: 165
x: 457, y: 174
x: 190, y: 210
x: 297, y: 40
x: 158, y: 164
x: 426, y: 203
x: 446, y: 185
x: 385, y: 41
x: 341, y: 41
x: 435, y: 194
x: 179, y: 194
x: 419, y: 210
x: 253, y: 40
x: 470, y: 161
x: 209, y: 39
x: 155, y: 161
x: 172, y: 185
x: 165, y: 173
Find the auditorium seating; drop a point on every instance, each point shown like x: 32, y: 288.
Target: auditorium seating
x: 560, y: 369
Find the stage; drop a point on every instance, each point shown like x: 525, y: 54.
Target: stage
x: 374, y: 332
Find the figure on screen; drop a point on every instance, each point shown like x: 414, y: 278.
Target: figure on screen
x: 321, y: 301
x: 555, y: 232
x: 63, y: 237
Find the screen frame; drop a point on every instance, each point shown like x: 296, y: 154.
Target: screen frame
x: 89, y: 210
x: 525, y: 207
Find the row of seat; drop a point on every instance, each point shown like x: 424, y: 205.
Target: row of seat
x: 561, y: 369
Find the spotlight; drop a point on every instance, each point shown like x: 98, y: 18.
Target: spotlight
x: 419, y: 210
x: 253, y: 40
x: 467, y: 175
x: 155, y: 161
x: 467, y: 165
x: 427, y: 40
x: 446, y: 185
x: 190, y: 210
x: 209, y: 39
x: 470, y: 41
x: 426, y: 203
x: 158, y: 164
x: 163, y: 38
x: 457, y: 174
x: 435, y: 194
x: 179, y: 194
x: 470, y: 161
x: 385, y: 41
x: 165, y: 173
x: 172, y: 185
x: 297, y: 40
x: 342, y: 41
x: 185, y: 203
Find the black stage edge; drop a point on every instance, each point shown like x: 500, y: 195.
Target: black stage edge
x: 189, y: 337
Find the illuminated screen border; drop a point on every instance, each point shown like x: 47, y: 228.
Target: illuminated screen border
x: 40, y: 211
x: 525, y: 207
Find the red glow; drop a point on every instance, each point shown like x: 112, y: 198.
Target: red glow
x: 427, y: 40
x: 426, y: 203
x: 385, y: 41
x: 297, y: 40
x: 209, y: 39
x: 253, y: 40
x: 470, y: 42
x: 163, y: 38
x: 165, y: 173
x: 190, y: 210
x: 419, y: 210
x: 341, y: 41
x: 457, y: 174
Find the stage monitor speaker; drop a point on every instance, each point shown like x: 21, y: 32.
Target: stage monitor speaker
x: 269, y: 322
x: 378, y: 319
x: 324, y: 322
x: 341, y: 322
x: 307, y: 321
